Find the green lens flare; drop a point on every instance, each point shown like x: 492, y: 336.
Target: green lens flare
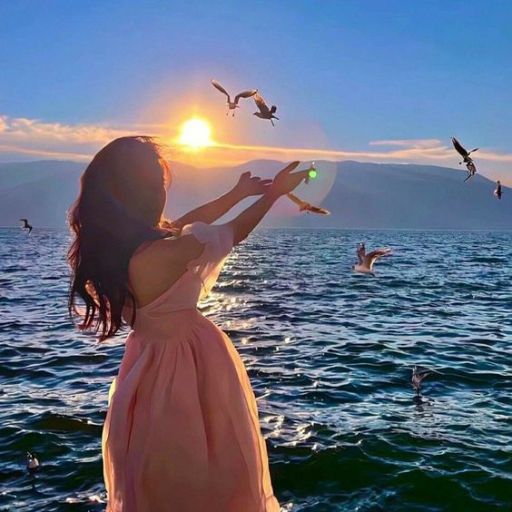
x: 312, y: 173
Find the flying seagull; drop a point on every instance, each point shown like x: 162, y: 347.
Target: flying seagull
x: 264, y: 111
x: 32, y: 463
x: 498, y: 193
x: 232, y: 105
x: 465, y: 157
x: 418, y: 375
x: 365, y: 261
x: 307, y: 207
x: 26, y: 225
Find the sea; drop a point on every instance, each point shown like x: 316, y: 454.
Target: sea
x: 330, y: 356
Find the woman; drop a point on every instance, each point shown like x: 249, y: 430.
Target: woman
x: 182, y: 431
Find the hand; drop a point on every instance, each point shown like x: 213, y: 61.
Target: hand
x: 285, y: 181
x: 251, y: 185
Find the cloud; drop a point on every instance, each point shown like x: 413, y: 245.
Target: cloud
x: 35, y: 130
x: 409, y: 143
x: 41, y: 153
x: 39, y: 138
x: 34, y: 137
x: 409, y: 150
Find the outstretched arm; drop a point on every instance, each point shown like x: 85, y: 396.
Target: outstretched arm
x: 247, y: 186
x: 283, y: 183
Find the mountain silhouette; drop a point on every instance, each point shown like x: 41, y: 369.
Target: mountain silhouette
x: 359, y: 195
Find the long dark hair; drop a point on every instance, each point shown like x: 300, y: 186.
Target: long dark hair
x: 120, y: 204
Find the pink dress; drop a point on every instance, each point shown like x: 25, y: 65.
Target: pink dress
x: 182, y: 432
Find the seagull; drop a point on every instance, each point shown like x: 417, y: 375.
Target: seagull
x: 26, y: 225
x: 32, y: 463
x: 418, y: 375
x: 471, y: 170
x: 465, y: 157
x: 498, y: 193
x: 232, y: 105
x: 264, y: 111
x: 307, y: 207
x: 366, y: 261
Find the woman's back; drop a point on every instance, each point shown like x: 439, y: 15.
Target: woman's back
x: 157, y: 265
x: 183, y: 418
x: 182, y: 431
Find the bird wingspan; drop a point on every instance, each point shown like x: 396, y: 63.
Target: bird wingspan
x: 319, y: 210
x: 419, y: 373
x: 377, y: 253
x: 373, y: 256
x: 220, y: 88
x: 297, y: 200
x: 308, y: 207
x: 260, y: 103
x: 245, y: 94
x: 459, y: 147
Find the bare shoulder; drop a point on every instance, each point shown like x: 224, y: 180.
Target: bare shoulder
x: 157, y: 265
x: 167, y: 251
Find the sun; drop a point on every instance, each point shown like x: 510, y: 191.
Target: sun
x: 195, y: 133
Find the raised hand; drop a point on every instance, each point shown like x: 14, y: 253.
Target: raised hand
x: 286, y: 182
x: 251, y: 185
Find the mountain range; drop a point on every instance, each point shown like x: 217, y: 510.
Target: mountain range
x: 359, y: 195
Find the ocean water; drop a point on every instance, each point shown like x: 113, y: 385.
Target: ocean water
x: 329, y: 354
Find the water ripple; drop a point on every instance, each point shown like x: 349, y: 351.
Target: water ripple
x: 329, y: 354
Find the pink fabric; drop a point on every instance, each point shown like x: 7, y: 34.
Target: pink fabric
x: 182, y: 432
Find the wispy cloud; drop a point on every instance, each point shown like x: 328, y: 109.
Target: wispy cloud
x: 409, y: 143
x: 436, y: 149
x: 23, y: 136
x: 409, y: 151
x: 39, y: 138
x: 42, y: 153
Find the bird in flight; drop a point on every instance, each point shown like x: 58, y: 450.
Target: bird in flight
x: 304, y: 206
x: 26, y: 225
x: 264, y: 111
x: 470, y: 165
x: 365, y: 261
x: 498, y: 193
x: 418, y: 375
x: 233, y: 105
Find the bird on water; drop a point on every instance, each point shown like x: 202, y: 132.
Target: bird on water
x: 418, y: 375
x: 365, y: 261
x: 32, y: 462
x: 26, y: 225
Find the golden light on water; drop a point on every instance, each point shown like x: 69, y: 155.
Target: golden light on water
x: 195, y: 134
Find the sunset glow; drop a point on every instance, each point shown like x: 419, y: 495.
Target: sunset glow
x: 195, y: 133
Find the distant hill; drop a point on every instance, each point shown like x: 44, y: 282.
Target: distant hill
x: 359, y: 195
x: 367, y: 195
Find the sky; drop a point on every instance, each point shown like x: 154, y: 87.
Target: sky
x: 368, y: 80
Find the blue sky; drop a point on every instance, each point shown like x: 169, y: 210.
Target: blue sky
x: 343, y: 73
